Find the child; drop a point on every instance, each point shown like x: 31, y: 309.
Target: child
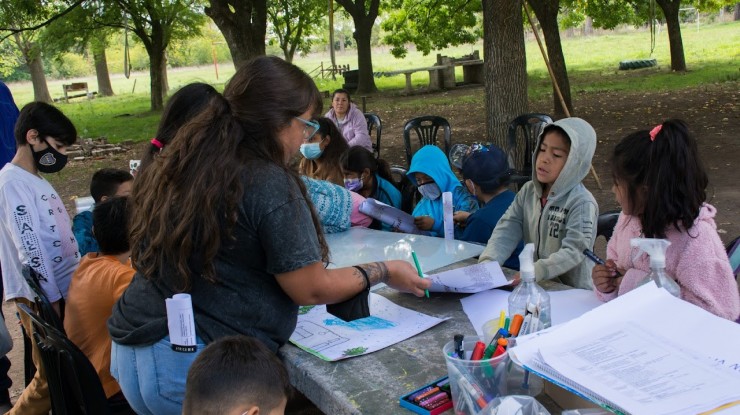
x: 181, y: 108
x: 105, y: 183
x: 371, y: 178
x: 660, y: 182
x: 321, y: 153
x: 431, y: 172
x: 337, y: 207
x: 236, y: 375
x: 486, y: 175
x: 96, y: 285
x: 36, y: 229
x: 350, y: 120
x: 554, y: 211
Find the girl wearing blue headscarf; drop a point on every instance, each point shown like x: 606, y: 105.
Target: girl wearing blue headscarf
x: 431, y: 172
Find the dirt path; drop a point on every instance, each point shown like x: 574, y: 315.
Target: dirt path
x: 712, y: 112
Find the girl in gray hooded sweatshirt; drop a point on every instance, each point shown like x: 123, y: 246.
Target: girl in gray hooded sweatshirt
x: 554, y: 211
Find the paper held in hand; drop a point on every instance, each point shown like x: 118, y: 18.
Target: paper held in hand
x: 639, y: 354
x: 471, y: 279
x: 390, y: 216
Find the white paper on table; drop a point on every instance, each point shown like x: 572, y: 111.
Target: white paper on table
x: 565, y: 305
x: 470, y: 279
x: 391, y: 216
x: 638, y: 353
x: 181, y: 323
x: 331, y: 338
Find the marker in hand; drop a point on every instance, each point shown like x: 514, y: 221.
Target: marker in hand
x: 593, y: 257
x: 418, y: 270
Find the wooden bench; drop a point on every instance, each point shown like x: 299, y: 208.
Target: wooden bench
x: 75, y: 87
x: 434, y: 76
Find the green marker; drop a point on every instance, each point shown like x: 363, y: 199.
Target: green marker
x: 418, y: 269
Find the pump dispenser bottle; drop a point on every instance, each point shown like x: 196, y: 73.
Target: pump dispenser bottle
x: 656, y: 248
x: 529, y: 299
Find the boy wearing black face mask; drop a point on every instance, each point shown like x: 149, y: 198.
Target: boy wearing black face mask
x: 35, y: 227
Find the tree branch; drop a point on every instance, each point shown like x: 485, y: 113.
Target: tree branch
x: 40, y: 25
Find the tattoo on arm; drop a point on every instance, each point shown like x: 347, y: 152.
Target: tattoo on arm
x: 377, y: 272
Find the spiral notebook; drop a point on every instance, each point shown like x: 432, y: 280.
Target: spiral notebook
x: 645, y: 352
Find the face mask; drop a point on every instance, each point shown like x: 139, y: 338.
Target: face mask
x: 430, y: 191
x: 49, y: 160
x: 353, y: 185
x: 311, y: 151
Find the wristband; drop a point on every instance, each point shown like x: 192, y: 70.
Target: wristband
x: 364, y: 274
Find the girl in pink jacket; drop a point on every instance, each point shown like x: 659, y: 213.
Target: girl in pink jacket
x: 660, y: 182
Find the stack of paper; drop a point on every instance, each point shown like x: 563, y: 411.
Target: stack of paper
x: 645, y: 352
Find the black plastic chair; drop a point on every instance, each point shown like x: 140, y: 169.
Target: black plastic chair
x: 522, y: 137
x: 426, y: 129
x: 74, y: 386
x: 409, y: 196
x: 42, y: 301
x: 373, y: 123
x: 606, y: 222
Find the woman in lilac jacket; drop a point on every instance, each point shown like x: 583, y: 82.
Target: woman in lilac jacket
x: 349, y: 119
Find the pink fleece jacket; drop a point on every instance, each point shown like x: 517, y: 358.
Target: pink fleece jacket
x: 696, y: 259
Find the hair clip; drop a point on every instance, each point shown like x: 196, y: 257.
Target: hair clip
x: 157, y: 143
x: 655, y: 131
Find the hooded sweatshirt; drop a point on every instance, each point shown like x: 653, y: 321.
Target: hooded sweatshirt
x: 8, y: 116
x: 353, y: 126
x: 696, y: 259
x: 431, y: 161
x: 565, y: 226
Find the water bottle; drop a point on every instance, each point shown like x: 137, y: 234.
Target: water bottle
x: 529, y: 299
x: 656, y: 248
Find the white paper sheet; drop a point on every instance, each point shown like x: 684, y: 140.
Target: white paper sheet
x: 640, y: 353
x: 470, y: 279
x: 181, y: 323
x: 331, y: 338
x: 362, y: 245
x: 565, y: 305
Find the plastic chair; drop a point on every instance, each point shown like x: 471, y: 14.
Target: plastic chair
x: 42, y: 301
x: 406, y: 187
x: 606, y: 222
x: 74, y: 386
x: 522, y: 137
x: 373, y: 122
x: 426, y: 129
x: 733, y: 254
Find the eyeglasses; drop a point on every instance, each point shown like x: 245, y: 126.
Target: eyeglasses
x: 310, y: 128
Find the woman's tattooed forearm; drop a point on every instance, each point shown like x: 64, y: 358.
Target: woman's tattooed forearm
x: 377, y: 272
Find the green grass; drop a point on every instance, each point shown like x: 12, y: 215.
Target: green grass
x: 711, y: 55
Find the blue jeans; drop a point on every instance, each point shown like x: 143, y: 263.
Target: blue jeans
x: 152, y: 377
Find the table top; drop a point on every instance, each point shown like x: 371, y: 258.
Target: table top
x: 373, y: 383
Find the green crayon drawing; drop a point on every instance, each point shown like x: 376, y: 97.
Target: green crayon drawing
x: 304, y: 309
x: 355, y: 351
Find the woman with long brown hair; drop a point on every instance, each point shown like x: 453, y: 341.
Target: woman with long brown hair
x: 223, y: 217
x: 322, y: 153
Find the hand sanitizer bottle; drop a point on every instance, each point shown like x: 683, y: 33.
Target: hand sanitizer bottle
x: 656, y: 248
x: 529, y: 299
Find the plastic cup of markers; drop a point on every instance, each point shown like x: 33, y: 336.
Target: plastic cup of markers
x: 490, y: 328
x: 474, y: 383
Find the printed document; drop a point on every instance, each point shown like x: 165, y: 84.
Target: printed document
x: 470, y: 279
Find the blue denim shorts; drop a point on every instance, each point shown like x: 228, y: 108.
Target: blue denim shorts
x: 152, y: 377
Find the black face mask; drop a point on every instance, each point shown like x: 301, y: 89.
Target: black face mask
x: 49, y: 160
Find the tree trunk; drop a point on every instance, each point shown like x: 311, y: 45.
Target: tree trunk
x: 737, y: 12
x: 547, y: 14
x: 40, y: 89
x: 156, y: 72
x: 244, y: 29
x: 101, y: 69
x: 670, y: 11
x: 505, y: 66
x: 365, y: 79
x: 364, y: 18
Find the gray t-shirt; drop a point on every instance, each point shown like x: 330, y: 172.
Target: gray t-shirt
x: 274, y: 233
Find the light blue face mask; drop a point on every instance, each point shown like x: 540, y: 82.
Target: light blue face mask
x: 430, y: 191
x: 311, y: 151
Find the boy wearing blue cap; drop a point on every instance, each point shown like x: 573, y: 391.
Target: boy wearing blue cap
x: 486, y: 175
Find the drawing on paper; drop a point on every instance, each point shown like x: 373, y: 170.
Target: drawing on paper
x: 316, y: 337
x: 367, y: 323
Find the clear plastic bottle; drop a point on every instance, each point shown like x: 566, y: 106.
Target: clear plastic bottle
x: 656, y: 248
x: 528, y: 298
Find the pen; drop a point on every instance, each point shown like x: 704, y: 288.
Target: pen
x: 501, y: 319
x: 593, y: 257
x: 418, y: 269
x: 459, y: 351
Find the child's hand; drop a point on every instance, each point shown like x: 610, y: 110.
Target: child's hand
x: 607, y: 277
x: 425, y: 223
x: 460, y: 218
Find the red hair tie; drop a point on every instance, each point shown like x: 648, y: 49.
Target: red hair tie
x: 655, y: 131
x: 157, y: 143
